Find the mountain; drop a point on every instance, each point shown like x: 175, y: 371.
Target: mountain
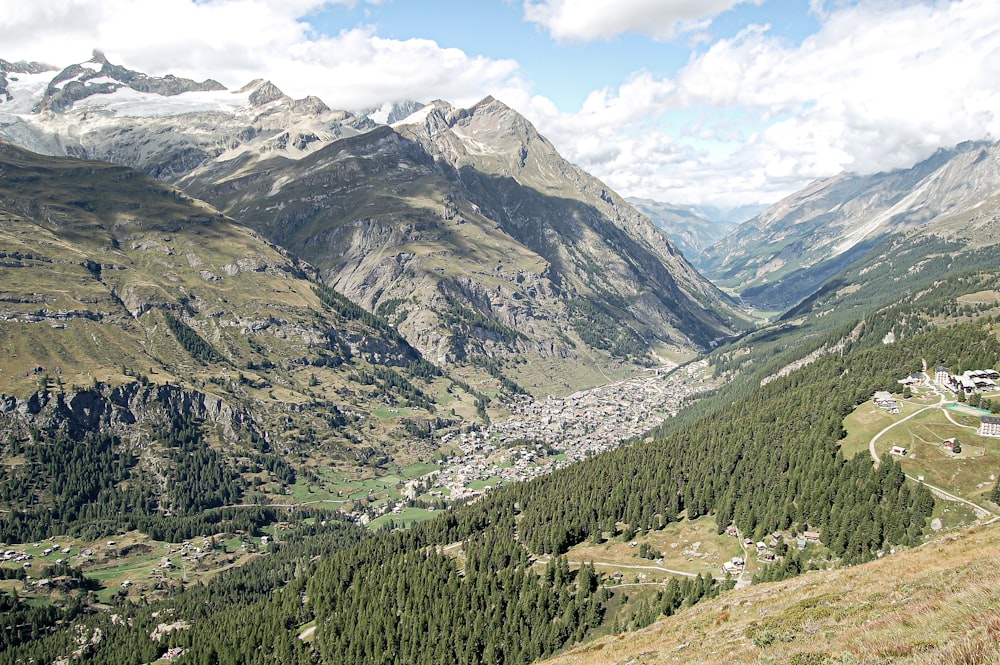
x: 788, y: 251
x: 730, y: 214
x: 686, y: 226
x: 125, y: 305
x: 463, y: 227
x: 163, y: 126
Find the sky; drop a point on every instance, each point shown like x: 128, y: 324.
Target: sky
x: 705, y: 102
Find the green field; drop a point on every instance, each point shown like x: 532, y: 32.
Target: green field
x: 405, y: 518
x: 970, y: 474
x: 687, y: 546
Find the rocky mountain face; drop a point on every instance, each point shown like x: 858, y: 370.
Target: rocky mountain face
x: 463, y: 227
x: 163, y: 126
x: 99, y: 77
x: 686, y: 226
x: 788, y: 251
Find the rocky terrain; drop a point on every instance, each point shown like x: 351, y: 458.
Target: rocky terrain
x: 463, y: 227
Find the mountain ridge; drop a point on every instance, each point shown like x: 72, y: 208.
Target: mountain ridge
x: 785, y: 253
x: 483, y: 267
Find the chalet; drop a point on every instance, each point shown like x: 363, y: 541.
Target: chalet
x: 731, y: 530
x: 948, y: 443
x: 811, y: 536
x: 989, y: 426
x: 898, y: 450
x: 912, y: 380
x: 731, y: 568
x: 884, y: 400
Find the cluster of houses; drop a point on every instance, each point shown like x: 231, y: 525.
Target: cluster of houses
x: 24, y: 558
x: 969, y: 381
x: 578, y: 426
x: 542, y: 436
x: 17, y: 557
x: 765, y: 550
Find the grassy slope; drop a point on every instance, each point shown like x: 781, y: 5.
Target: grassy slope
x: 934, y: 604
x: 85, y: 240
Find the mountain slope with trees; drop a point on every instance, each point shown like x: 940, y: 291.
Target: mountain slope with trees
x: 465, y: 586
x: 133, y: 315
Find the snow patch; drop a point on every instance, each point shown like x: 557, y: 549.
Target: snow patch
x: 98, y: 80
x: 381, y: 115
x: 26, y: 90
x: 416, y: 117
x: 126, y: 102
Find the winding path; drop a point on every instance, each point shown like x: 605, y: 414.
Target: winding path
x: 981, y: 513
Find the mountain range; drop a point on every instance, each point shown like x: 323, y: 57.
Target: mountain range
x: 211, y: 300
x: 464, y: 227
x: 787, y: 252
x: 688, y: 227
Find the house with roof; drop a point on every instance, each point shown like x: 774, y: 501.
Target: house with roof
x: 884, y: 400
x: 989, y: 426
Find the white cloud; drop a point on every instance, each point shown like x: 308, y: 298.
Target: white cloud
x: 235, y: 41
x: 879, y: 86
x: 588, y: 20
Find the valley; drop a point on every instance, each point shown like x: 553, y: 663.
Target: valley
x: 285, y: 383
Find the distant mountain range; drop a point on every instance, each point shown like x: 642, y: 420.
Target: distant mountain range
x: 463, y: 227
x: 787, y: 252
x: 688, y: 227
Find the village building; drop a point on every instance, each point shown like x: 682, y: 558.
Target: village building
x: 898, y: 450
x: 884, y: 400
x: 973, y: 380
x: 989, y: 426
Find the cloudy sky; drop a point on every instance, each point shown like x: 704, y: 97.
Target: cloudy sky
x: 713, y: 102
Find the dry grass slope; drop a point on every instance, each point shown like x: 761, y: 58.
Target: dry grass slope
x: 938, y: 603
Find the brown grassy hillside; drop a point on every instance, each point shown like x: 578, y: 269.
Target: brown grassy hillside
x: 938, y: 603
